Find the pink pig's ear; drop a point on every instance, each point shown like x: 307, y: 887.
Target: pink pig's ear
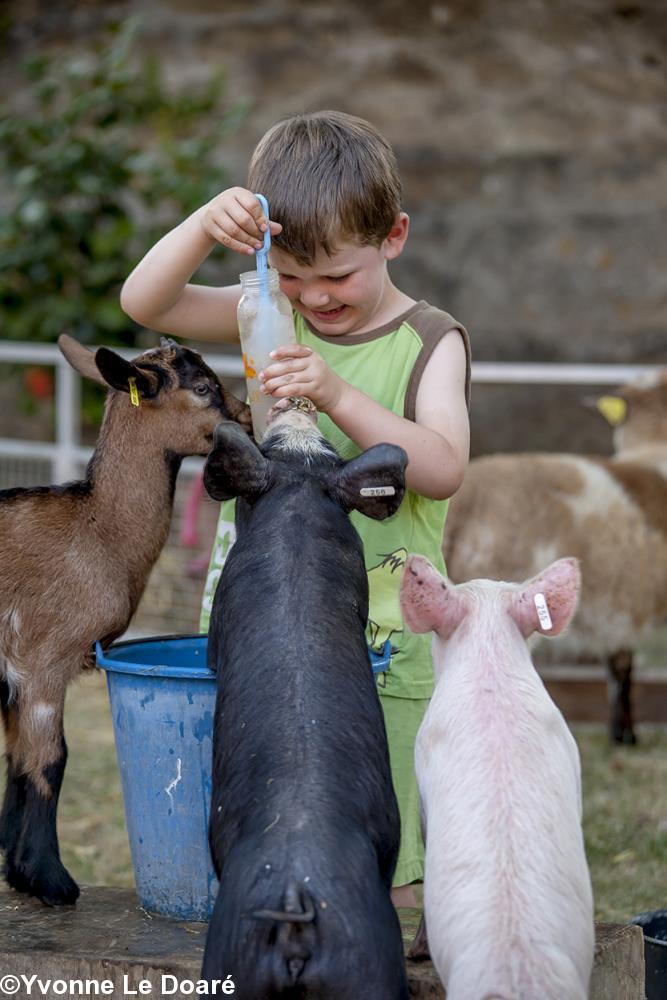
x: 547, y: 603
x: 428, y: 602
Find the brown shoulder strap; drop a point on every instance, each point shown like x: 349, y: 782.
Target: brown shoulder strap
x: 432, y: 324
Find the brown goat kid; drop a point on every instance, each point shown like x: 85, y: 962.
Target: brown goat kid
x: 75, y: 560
x: 514, y: 513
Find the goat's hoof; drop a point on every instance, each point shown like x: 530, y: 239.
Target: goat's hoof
x: 60, y: 898
x: 419, y: 950
x: 53, y: 886
x: 417, y: 953
x: 624, y: 737
x: 56, y: 891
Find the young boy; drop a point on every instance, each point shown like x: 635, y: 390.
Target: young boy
x: 377, y: 365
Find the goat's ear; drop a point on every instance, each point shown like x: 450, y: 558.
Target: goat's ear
x: 236, y: 467
x: 373, y: 482
x: 428, y: 602
x: 613, y: 408
x: 547, y: 603
x: 81, y: 359
x: 117, y: 372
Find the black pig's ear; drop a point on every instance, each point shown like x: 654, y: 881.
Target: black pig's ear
x: 236, y: 466
x: 373, y: 483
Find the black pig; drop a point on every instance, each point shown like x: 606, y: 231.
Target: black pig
x: 304, y: 826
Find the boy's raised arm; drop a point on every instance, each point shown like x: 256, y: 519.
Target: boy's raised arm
x: 157, y: 293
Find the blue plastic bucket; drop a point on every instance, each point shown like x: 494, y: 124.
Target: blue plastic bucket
x: 162, y: 704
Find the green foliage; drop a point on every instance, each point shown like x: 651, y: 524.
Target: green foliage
x: 97, y: 157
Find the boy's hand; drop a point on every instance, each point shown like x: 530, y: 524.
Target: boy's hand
x: 299, y: 371
x: 235, y: 219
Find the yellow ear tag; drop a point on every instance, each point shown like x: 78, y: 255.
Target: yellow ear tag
x: 134, y: 392
x: 612, y: 408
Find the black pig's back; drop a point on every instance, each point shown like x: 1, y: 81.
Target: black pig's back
x: 302, y: 794
x: 297, y: 717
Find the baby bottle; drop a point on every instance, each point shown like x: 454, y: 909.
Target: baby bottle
x: 265, y: 322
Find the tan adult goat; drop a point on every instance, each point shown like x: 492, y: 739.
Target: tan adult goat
x: 515, y: 513
x: 75, y: 560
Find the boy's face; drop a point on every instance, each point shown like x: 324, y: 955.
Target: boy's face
x: 342, y: 293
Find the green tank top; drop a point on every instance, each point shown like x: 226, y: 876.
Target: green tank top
x: 387, y: 365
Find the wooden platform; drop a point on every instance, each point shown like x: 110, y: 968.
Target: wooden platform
x: 107, y: 936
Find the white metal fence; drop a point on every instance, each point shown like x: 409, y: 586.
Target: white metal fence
x: 67, y: 455
x: 171, y: 601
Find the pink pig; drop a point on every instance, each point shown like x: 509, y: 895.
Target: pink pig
x: 507, y: 894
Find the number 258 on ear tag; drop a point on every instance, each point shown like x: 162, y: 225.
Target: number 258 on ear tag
x: 377, y: 491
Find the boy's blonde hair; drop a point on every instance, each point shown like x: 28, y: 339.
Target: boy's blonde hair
x: 328, y: 177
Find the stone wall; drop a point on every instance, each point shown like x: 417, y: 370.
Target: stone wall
x: 531, y: 138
